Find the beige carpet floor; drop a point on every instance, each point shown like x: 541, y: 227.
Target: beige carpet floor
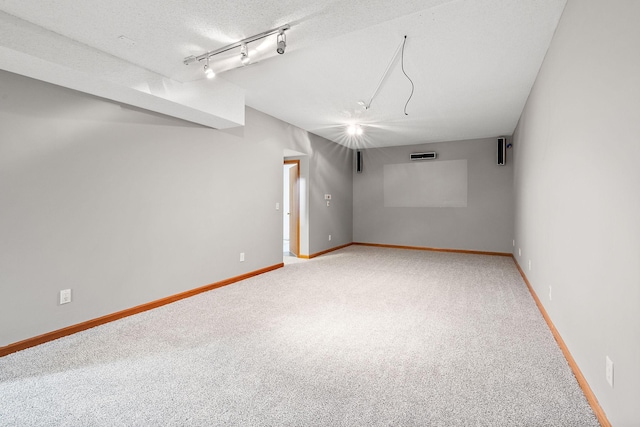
x: 359, y: 337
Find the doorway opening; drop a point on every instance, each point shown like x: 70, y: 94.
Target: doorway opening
x: 291, y: 208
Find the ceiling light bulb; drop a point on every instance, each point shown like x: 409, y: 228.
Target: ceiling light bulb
x: 355, y: 130
x: 209, y: 72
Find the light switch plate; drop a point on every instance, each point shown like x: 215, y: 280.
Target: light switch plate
x: 65, y: 296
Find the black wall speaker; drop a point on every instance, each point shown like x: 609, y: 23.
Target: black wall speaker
x: 359, y: 161
x: 502, y: 150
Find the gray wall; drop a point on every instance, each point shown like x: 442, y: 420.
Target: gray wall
x: 486, y: 224
x: 577, y: 180
x: 331, y: 168
x: 126, y: 206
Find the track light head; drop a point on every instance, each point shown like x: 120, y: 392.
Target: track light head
x: 208, y: 71
x: 244, y: 54
x: 282, y: 45
x: 282, y: 42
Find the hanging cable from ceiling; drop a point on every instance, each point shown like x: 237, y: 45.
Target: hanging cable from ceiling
x: 354, y: 128
x: 405, y: 73
x: 399, y: 50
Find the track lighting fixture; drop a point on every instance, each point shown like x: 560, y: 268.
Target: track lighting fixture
x: 244, y: 55
x: 208, y: 71
x: 281, y: 42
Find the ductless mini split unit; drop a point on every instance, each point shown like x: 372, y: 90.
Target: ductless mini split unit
x: 423, y: 156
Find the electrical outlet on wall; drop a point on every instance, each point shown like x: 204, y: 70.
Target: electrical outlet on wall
x: 529, y: 265
x: 329, y: 237
x: 241, y: 256
x: 65, y: 296
x: 609, y: 371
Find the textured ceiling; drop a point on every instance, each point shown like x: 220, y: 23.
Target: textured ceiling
x: 472, y: 62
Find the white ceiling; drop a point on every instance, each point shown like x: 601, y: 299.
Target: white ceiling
x: 473, y: 62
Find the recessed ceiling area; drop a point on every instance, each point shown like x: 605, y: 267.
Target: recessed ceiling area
x: 472, y: 63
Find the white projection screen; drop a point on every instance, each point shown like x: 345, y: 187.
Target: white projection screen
x: 426, y: 184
